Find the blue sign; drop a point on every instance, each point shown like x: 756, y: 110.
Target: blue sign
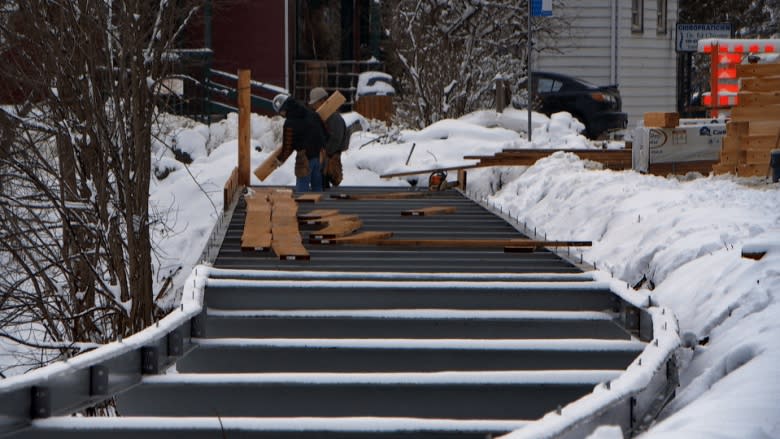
x: 541, y: 8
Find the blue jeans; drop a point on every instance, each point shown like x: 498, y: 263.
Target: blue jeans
x: 313, y: 181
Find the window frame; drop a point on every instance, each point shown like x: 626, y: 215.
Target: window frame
x: 661, y: 17
x: 637, y: 16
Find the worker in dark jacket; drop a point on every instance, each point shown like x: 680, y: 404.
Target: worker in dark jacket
x: 305, y: 134
x: 338, y: 140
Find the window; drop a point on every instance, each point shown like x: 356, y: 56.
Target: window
x: 637, y: 15
x: 548, y: 85
x: 660, y: 27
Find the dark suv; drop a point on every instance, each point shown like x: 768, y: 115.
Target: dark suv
x: 599, y: 108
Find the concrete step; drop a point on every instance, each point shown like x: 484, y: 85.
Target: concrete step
x: 236, y: 355
x: 444, y: 395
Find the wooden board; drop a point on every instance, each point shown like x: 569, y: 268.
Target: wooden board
x: 747, y: 170
x: 760, y: 84
x: 758, y: 156
x: 332, y: 219
x: 755, y: 113
x: 381, y: 196
x: 369, y: 237
x: 758, y: 70
x: 662, y: 120
x: 290, y: 249
x: 337, y: 229
x: 760, y: 142
x: 310, y: 197
x: 703, y: 167
x: 766, y: 98
x: 764, y: 128
x: 330, y: 106
x: 472, y: 243
x: 269, y: 165
x: 428, y: 211
x: 317, y: 214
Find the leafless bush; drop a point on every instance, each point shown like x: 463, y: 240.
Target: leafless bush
x: 75, y: 165
x: 446, y: 55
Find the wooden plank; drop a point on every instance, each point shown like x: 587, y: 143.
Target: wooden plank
x: 230, y: 189
x: 747, y: 170
x: 427, y: 171
x: 367, y: 237
x: 317, y: 214
x: 767, y: 84
x: 331, y: 105
x: 429, y: 211
x: 309, y: 197
x: 472, y: 243
x: 681, y: 168
x: 724, y: 168
x: 758, y: 156
x: 758, y: 70
x: 382, y: 196
x: 256, y: 240
x: 661, y: 120
x: 756, y: 113
x: 290, y: 249
x: 338, y: 229
x: 767, y: 98
x: 764, y: 128
x: 760, y: 142
x: 332, y: 219
x: 269, y: 165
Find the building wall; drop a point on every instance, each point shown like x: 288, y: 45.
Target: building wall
x: 647, y: 71
x: 250, y: 35
x: 605, y: 51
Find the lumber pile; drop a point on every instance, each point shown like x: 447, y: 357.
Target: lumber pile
x: 754, y: 129
x: 271, y: 223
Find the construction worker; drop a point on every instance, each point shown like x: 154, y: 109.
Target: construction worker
x: 338, y: 140
x: 303, y: 133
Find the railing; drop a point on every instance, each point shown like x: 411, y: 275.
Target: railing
x: 631, y: 401
x: 87, y: 379
x: 333, y: 76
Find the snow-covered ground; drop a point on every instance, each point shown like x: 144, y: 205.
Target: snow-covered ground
x: 681, y: 237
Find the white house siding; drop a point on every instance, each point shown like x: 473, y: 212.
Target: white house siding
x: 645, y: 64
x: 585, y: 45
x: 647, y: 68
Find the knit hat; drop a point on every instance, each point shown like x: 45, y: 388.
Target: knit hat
x: 316, y: 94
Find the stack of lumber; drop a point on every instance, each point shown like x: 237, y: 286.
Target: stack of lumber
x: 271, y: 223
x: 754, y: 129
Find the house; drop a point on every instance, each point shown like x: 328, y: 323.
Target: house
x: 291, y: 44
x: 629, y: 43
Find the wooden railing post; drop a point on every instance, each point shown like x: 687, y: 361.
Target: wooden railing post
x: 244, y: 125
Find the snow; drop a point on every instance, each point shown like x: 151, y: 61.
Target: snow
x: 677, y: 240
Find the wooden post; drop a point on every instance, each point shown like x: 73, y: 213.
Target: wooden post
x: 244, y: 125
